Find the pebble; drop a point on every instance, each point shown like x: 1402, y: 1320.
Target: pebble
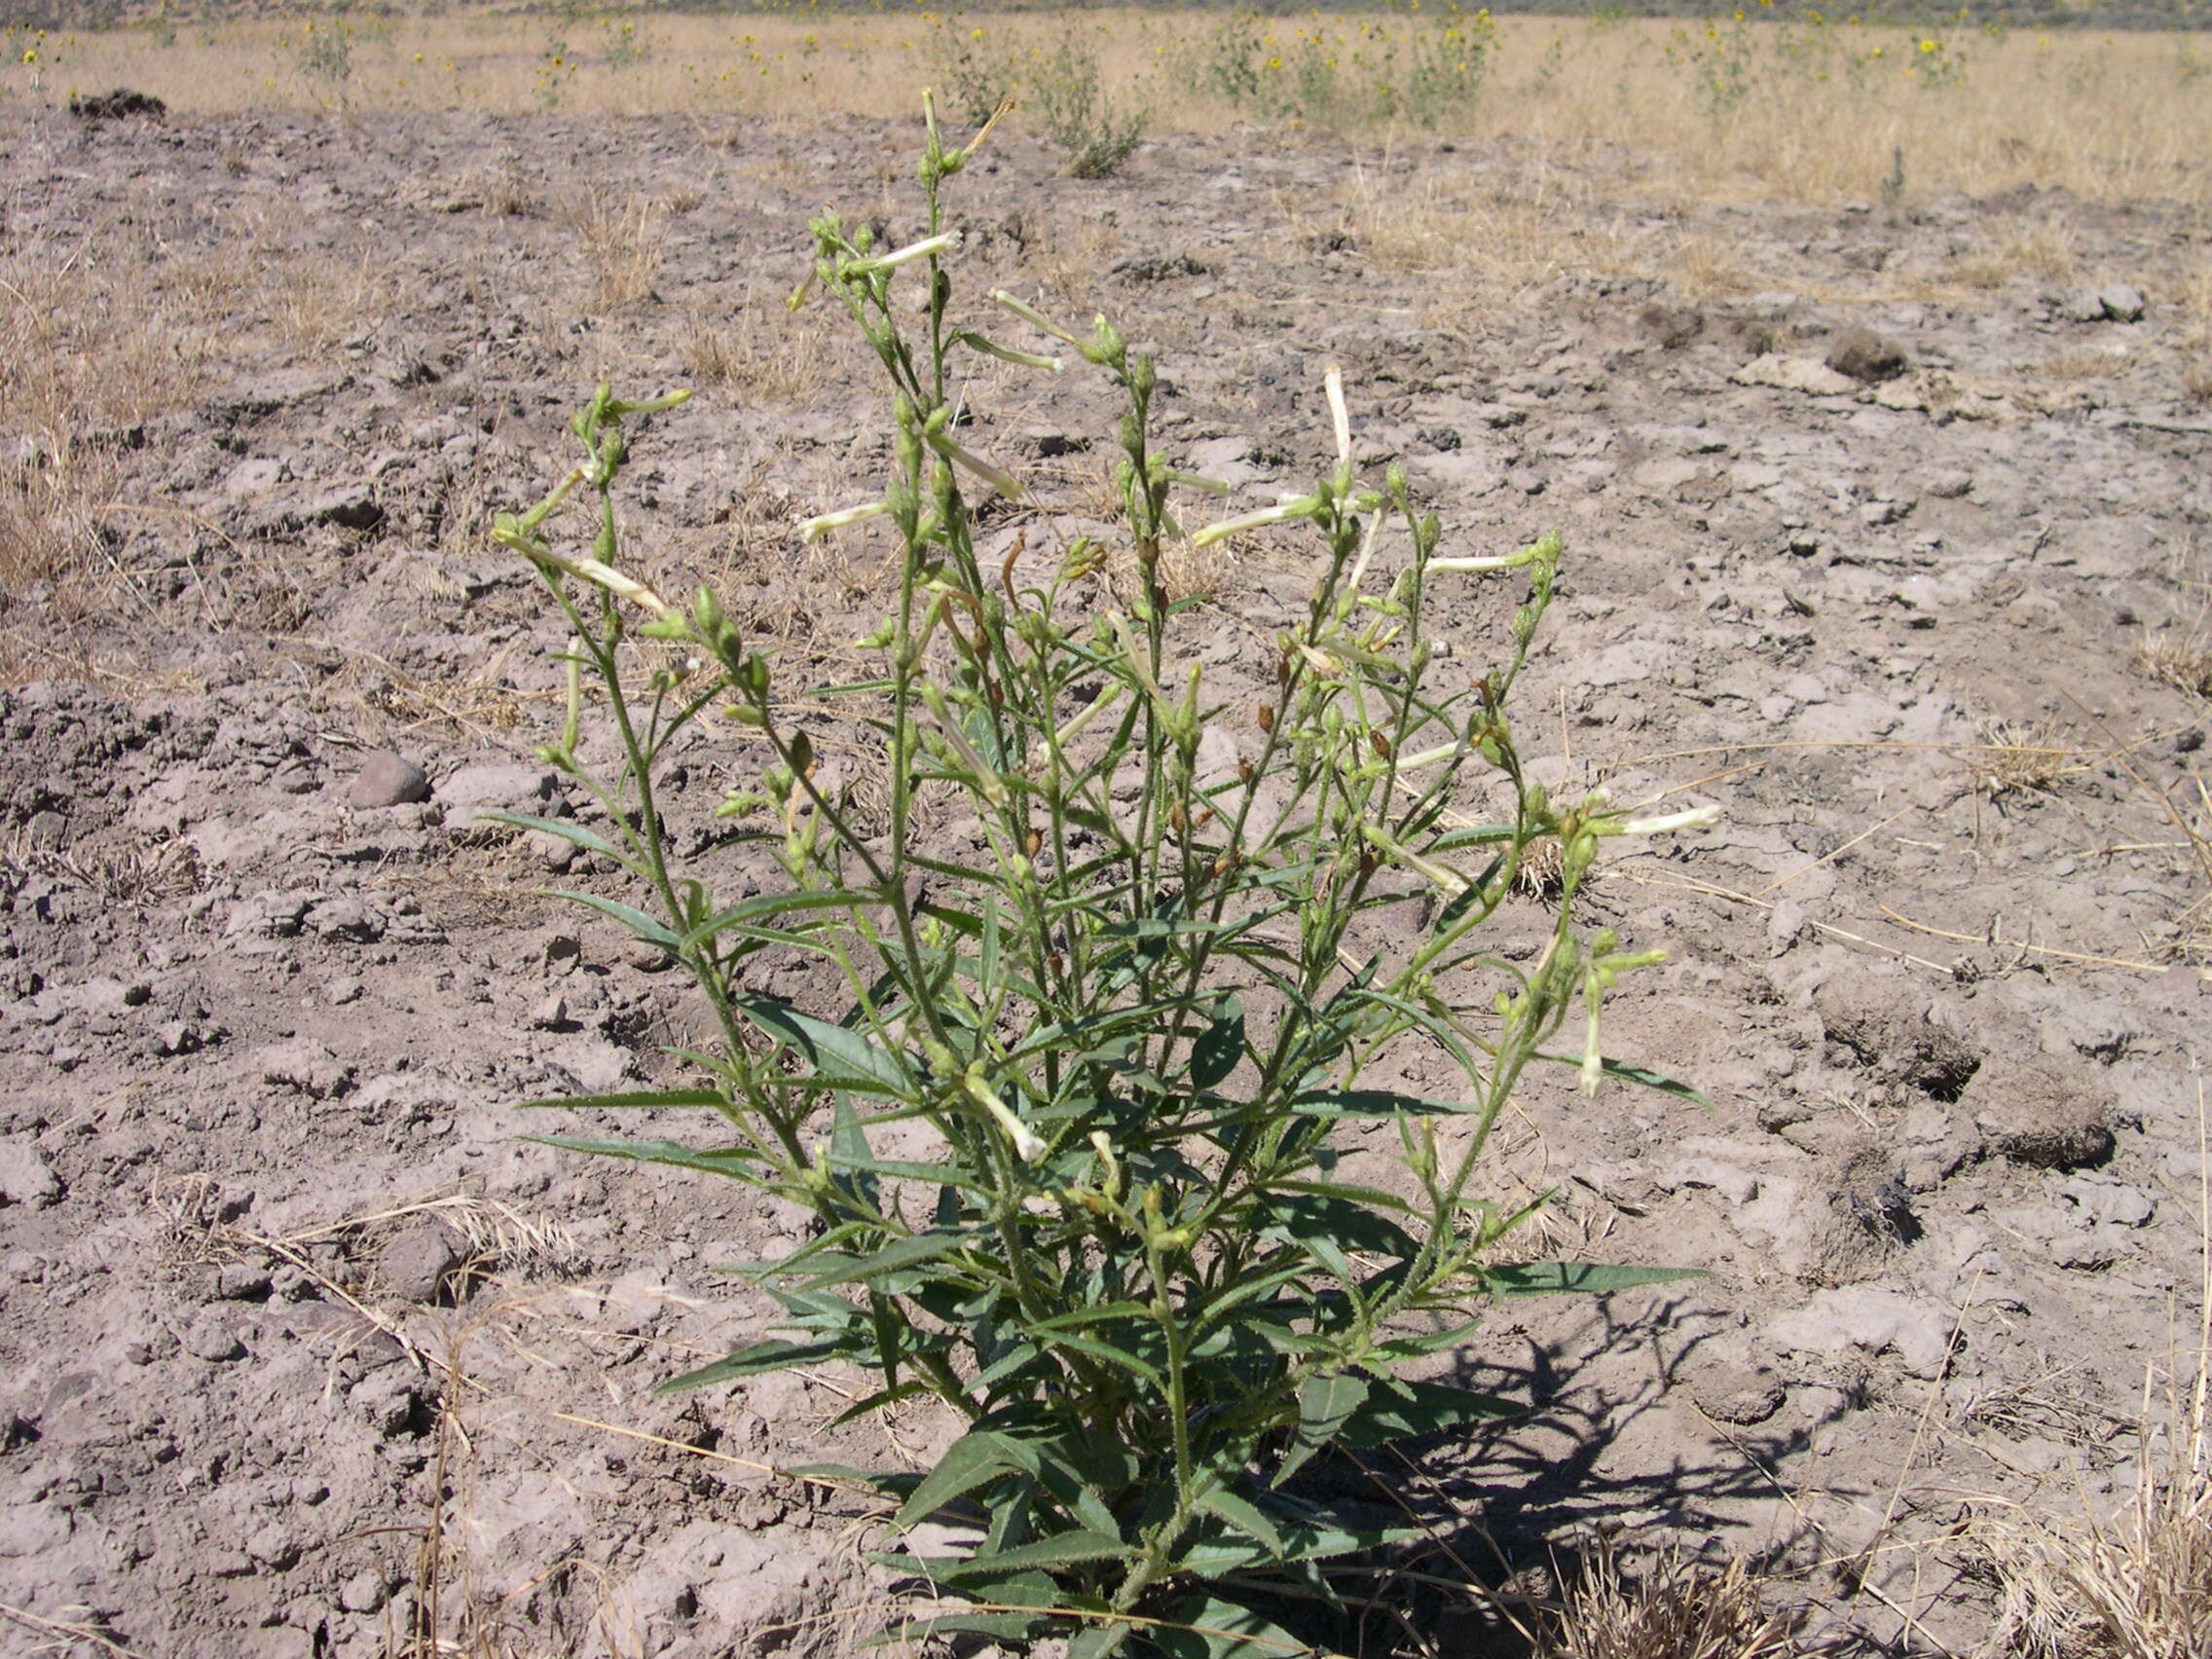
x: 386, y: 780
x: 363, y: 1593
x: 273, y: 1546
x: 24, y: 1178
x: 242, y: 1282
x: 212, y: 1340
x: 415, y: 1261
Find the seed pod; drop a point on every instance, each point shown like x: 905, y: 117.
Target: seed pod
x: 1266, y: 717
x: 1380, y: 744
x: 1244, y: 772
x: 1035, y: 843
x: 1175, y: 818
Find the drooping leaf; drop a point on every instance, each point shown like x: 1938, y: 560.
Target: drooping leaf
x: 736, y: 1161
x: 643, y: 1099
x: 568, y: 829
x: 908, y: 1252
x: 1246, y: 1516
x: 977, y: 1458
x: 748, y: 915
x: 1644, y: 1075
x: 1325, y: 1404
x: 629, y: 915
x: 1214, y: 1055
x: 762, y: 1356
x: 841, y: 1058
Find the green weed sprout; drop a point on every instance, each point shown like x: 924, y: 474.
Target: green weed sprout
x: 1133, y: 1034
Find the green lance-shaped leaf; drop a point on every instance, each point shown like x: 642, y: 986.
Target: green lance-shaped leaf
x: 842, y: 1058
x: 762, y: 1356
x: 1325, y: 1404
x: 1214, y: 1055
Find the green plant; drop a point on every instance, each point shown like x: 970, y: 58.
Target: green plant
x: 1080, y: 119
x: 1351, y: 74
x: 979, y: 70
x: 1073, y: 1117
x: 326, y: 53
x: 1893, y: 181
x: 626, y: 46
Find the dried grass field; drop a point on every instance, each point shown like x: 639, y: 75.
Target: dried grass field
x: 1865, y: 370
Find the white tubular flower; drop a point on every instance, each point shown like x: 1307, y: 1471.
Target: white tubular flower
x: 605, y: 576
x: 1033, y: 316
x: 1430, y: 757
x: 1005, y: 483
x: 1289, y: 507
x: 1593, y: 1058
x: 1442, y: 876
x: 1195, y: 481
x: 815, y: 528
x: 1504, y: 562
x: 922, y: 250
x: 1695, y: 818
x: 1008, y: 355
x: 1333, y: 382
x: 1028, y: 1145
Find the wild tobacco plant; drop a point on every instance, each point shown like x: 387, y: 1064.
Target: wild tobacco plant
x: 1132, y: 1036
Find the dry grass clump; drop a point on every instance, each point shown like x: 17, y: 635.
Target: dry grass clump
x: 2017, y: 758
x: 621, y: 241
x: 764, y: 352
x: 2184, y: 664
x: 53, y: 499
x: 507, y: 194
x: 2133, y: 1581
x: 319, y: 304
x: 1677, y: 1608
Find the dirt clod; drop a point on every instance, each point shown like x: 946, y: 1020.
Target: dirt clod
x: 1866, y: 356
x: 2034, y: 1114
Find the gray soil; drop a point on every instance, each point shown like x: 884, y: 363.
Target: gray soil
x: 306, y: 1348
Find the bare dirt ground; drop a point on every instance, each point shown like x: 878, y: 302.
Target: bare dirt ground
x: 1871, y: 521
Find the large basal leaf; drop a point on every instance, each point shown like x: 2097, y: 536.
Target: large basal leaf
x: 1206, y: 1627
x: 1246, y: 1516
